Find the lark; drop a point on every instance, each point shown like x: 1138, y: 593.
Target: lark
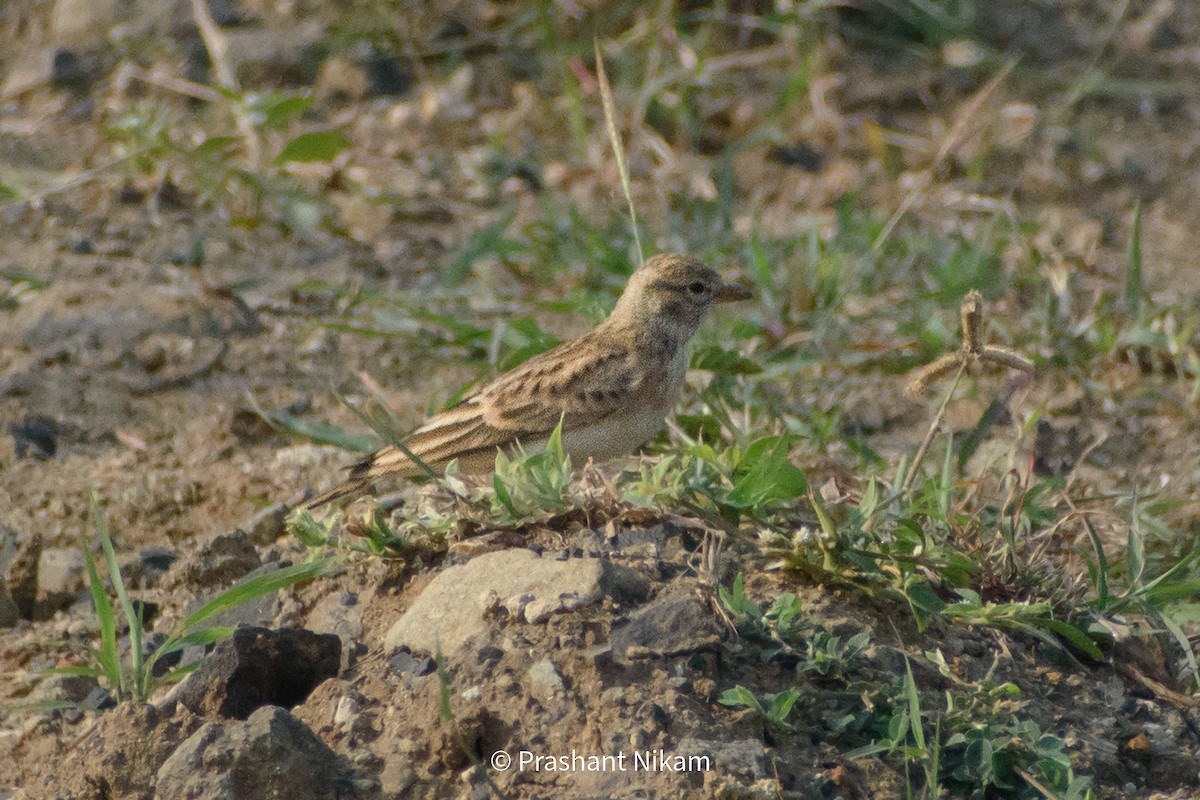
x: 611, y: 388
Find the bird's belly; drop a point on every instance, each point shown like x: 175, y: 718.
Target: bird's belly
x: 617, y: 435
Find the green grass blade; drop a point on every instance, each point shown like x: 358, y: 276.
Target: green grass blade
x: 106, y: 655
x: 200, y: 638
x: 133, y: 618
x: 314, y: 431
x: 1076, y: 637
x: 77, y: 671
x: 1133, y: 266
x: 389, y: 435
x: 254, y: 588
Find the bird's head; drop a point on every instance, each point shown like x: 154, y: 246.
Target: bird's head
x: 677, y: 290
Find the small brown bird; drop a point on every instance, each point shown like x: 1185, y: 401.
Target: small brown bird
x: 611, y: 388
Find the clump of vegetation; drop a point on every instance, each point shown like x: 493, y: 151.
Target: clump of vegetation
x: 133, y: 673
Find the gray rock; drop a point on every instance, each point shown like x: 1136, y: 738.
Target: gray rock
x: 9, y: 613
x: 339, y: 613
x: 19, y: 558
x: 222, y: 561
x: 270, y: 755
x: 82, y: 21
x: 446, y: 615
x: 269, y: 524
x: 256, y: 667
x: 60, y: 576
x: 674, y: 624
x: 544, y: 682
x: 645, y: 542
x: 398, y: 774
x: 273, y: 57
x: 742, y: 758
x: 402, y: 662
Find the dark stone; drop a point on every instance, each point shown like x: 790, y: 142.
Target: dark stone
x: 68, y: 71
x: 82, y: 247
x: 249, y: 427
x: 225, y: 559
x: 642, y: 541
x: 386, y: 76
x: 226, y: 13
x: 156, y: 559
x: 272, y: 754
x: 257, y: 667
x: 402, y: 662
x: 674, y: 624
x: 37, y: 433
x: 489, y: 653
x: 269, y: 524
x: 19, y: 559
x: 130, y: 195
x: 98, y: 699
x: 799, y: 155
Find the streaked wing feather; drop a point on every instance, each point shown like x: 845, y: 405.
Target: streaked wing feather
x: 581, y: 383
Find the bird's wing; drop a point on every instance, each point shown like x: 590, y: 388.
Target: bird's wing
x: 580, y: 382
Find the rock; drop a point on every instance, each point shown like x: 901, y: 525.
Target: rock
x: 646, y: 542
x: 35, y: 436
x: 398, y: 774
x: 272, y: 754
x: 145, y: 568
x: 156, y: 561
x: 274, y: 57
x: 10, y: 615
x: 19, y: 558
x: 269, y: 524
x: 339, y: 613
x: 340, y: 80
x: 443, y: 617
x: 82, y: 21
x: 222, y: 561
x: 544, y: 682
x: 743, y: 758
x: 387, y: 75
x: 121, y: 753
x: 60, y: 579
x: 403, y: 662
x: 674, y: 624
x: 256, y: 667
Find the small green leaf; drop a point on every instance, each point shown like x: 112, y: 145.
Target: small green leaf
x: 214, y: 147
x: 740, y: 696
x: 766, y: 475
x: 282, y: 110
x: 314, y: 146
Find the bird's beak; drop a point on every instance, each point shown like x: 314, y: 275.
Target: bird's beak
x: 730, y: 293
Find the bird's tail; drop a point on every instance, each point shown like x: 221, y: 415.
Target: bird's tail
x: 388, y: 461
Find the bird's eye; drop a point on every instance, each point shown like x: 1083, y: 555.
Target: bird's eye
x: 697, y: 288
